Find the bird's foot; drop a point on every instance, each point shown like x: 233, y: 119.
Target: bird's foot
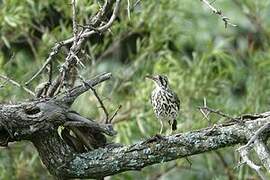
x: 171, y: 132
x: 158, y: 137
x: 155, y: 138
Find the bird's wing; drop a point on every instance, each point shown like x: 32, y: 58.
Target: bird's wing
x: 151, y: 98
x: 175, y: 99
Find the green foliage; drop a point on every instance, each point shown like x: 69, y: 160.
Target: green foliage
x: 182, y: 39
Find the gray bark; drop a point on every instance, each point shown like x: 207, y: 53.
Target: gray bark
x: 38, y: 121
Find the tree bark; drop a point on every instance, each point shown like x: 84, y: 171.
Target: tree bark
x: 38, y: 121
x: 108, y: 161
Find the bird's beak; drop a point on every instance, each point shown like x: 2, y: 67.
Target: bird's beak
x: 149, y: 77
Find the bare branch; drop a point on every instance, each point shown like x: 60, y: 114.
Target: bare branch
x: 156, y: 150
x: 18, y: 85
x: 75, y: 26
x: 206, y: 111
x: 46, y: 115
x: 115, y: 113
x: 245, y: 159
x: 219, y: 13
x: 81, y: 37
x: 54, y: 51
x: 128, y: 9
x: 99, y: 101
x: 260, y: 148
x: 81, y: 121
x: 72, y: 94
x: 257, y: 135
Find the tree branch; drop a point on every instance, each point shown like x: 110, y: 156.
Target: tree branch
x: 39, y: 120
x: 82, y: 35
x: 81, y: 121
x: 113, y: 160
x: 219, y: 13
x: 71, y: 95
x: 17, y: 84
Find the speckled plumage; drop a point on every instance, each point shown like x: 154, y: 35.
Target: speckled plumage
x: 165, y: 102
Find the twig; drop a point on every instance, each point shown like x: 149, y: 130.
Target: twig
x: 101, y: 104
x: 50, y: 73
x: 219, y: 13
x: 17, y: 84
x: 72, y: 94
x: 54, y: 51
x: 74, y: 49
x: 98, y: 99
x: 205, y: 111
x: 83, y: 35
x: 128, y: 9
x: 245, y: 160
x: 218, y: 112
x: 77, y: 59
x: 105, y: 27
x: 259, y: 147
x: 75, y: 27
x: 136, y: 3
x: 257, y: 134
x: 115, y: 113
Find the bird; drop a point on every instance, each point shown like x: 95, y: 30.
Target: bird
x: 165, y: 102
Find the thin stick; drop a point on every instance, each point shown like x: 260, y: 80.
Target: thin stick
x: 98, y: 99
x: 205, y: 112
x: 219, y: 13
x: 218, y: 112
x: 245, y: 160
x: 128, y: 9
x: 75, y: 27
x: 50, y: 73
x: 17, y: 84
x: 115, y: 113
x: 54, y: 51
x: 256, y: 135
x: 136, y: 3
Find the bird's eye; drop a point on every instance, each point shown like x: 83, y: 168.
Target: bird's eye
x: 160, y: 79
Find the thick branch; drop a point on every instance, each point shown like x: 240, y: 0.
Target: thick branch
x: 263, y: 153
x: 72, y: 94
x: 109, y: 161
x: 38, y: 122
x: 82, y: 121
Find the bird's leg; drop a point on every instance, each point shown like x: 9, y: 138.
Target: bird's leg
x: 171, y: 126
x: 161, y: 127
x: 171, y: 131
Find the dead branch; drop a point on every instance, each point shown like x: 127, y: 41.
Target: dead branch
x: 109, y: 161
x: 70, y: 96
x: 17, y: 84
x: 246, y: 160
x: 262, y: 151
x: 88, y: 154
x: 82, y: 35
x: 81, y: 121
x: 219, y: 13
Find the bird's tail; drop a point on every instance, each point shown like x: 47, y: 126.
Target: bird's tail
x: 174, y: 125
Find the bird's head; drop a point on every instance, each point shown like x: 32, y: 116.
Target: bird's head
x: 160, y: 80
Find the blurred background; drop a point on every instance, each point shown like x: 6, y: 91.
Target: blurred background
x: 182, y: 39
